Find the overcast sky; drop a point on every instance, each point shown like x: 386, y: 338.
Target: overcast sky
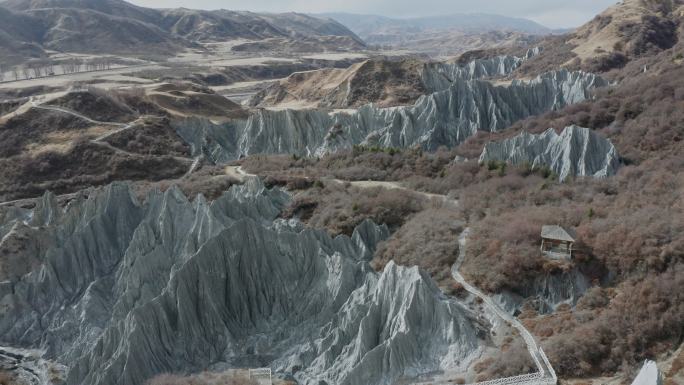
x: 552, y: 13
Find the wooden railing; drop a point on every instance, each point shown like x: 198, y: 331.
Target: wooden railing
x: 545, y: 374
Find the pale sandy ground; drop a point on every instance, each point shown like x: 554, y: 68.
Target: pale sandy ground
x: 240, y: 92
x: 66, y: 80
x: 399, y: 186
x: 242, y: 85
x: 336, y: 56
x: 27, y: 106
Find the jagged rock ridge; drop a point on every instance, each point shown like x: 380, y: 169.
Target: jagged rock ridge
x: 577, y: 151
x: 649, y: 374
x: 440, y: 76
x: 444, y: 118
x: 131, y: 289
x: 384, y: 82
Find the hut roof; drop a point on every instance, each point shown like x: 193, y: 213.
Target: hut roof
x: 558, y: 233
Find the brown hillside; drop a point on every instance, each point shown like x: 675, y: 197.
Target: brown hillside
x: 386, y: 83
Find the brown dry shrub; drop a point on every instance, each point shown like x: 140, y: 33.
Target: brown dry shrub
x: 6, y: 378
x: 644, y: 320
x: 514, y: 360
x: 85, y: 165
x: 152, y: 137
x: 339, y: 208
x: 642, y: 115
x: 503, y: 251
x: 428, y: 239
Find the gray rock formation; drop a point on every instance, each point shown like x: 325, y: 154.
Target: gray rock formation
x: 444, y: 118
x: 440, y: 76
x: 649, y: 374
x: 128, y: 290
x: 547, y: 292
x: 577, y: 151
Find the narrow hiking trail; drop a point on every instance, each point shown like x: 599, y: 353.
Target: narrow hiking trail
x: 193, y: 163
x: 545, y: 373
x: 122, y: 127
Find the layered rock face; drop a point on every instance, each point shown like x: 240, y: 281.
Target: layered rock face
x: 548, y: 292
x: 444, y: 118
x: 649, y: 374
x: 440, y: 76
x: 128, y: 290
x: 577, y: 151
x: 384, y: 82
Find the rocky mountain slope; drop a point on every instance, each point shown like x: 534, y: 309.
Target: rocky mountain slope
x: 92, y: 137
x: 576, y: 151
x: 444, y: 118
x: 631, y: 27
x: 630, y: 31
x: 383, y: 82
x: 117, y: 27
x: 170, y: 285
x: 17, y: 36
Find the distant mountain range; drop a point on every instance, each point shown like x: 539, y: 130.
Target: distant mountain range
x: 442, y: 35
x: 369, y: 26
x: 27, y: 27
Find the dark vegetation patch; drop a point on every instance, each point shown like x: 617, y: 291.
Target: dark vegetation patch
x: 387, y: 83
x: 32, y: 127
x: 591, y: 339
x: 651, y: 35
x: 96, y: 104
x: 24, y: 92
x: 358, y: 164
x: 605, y: 63
x: 20, y: 251
x: 428, y: 239
x: 153, y: 136
x: 85, y: 165
x: 339, y: 208
x: 209, y: 180
x: 8, y: 106
x: 50, y: 150
x: 513, y: 360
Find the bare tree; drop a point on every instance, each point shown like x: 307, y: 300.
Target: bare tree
x: 35, y: 67
x: 26, y: 71
x: 49, y: 67
x: 72, y: 65
x: 2, y: 73
x: 15, y: 73
x: 68, y: 66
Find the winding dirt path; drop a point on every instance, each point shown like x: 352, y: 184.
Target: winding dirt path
x: 99, y: 141
x: 545, y: 373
